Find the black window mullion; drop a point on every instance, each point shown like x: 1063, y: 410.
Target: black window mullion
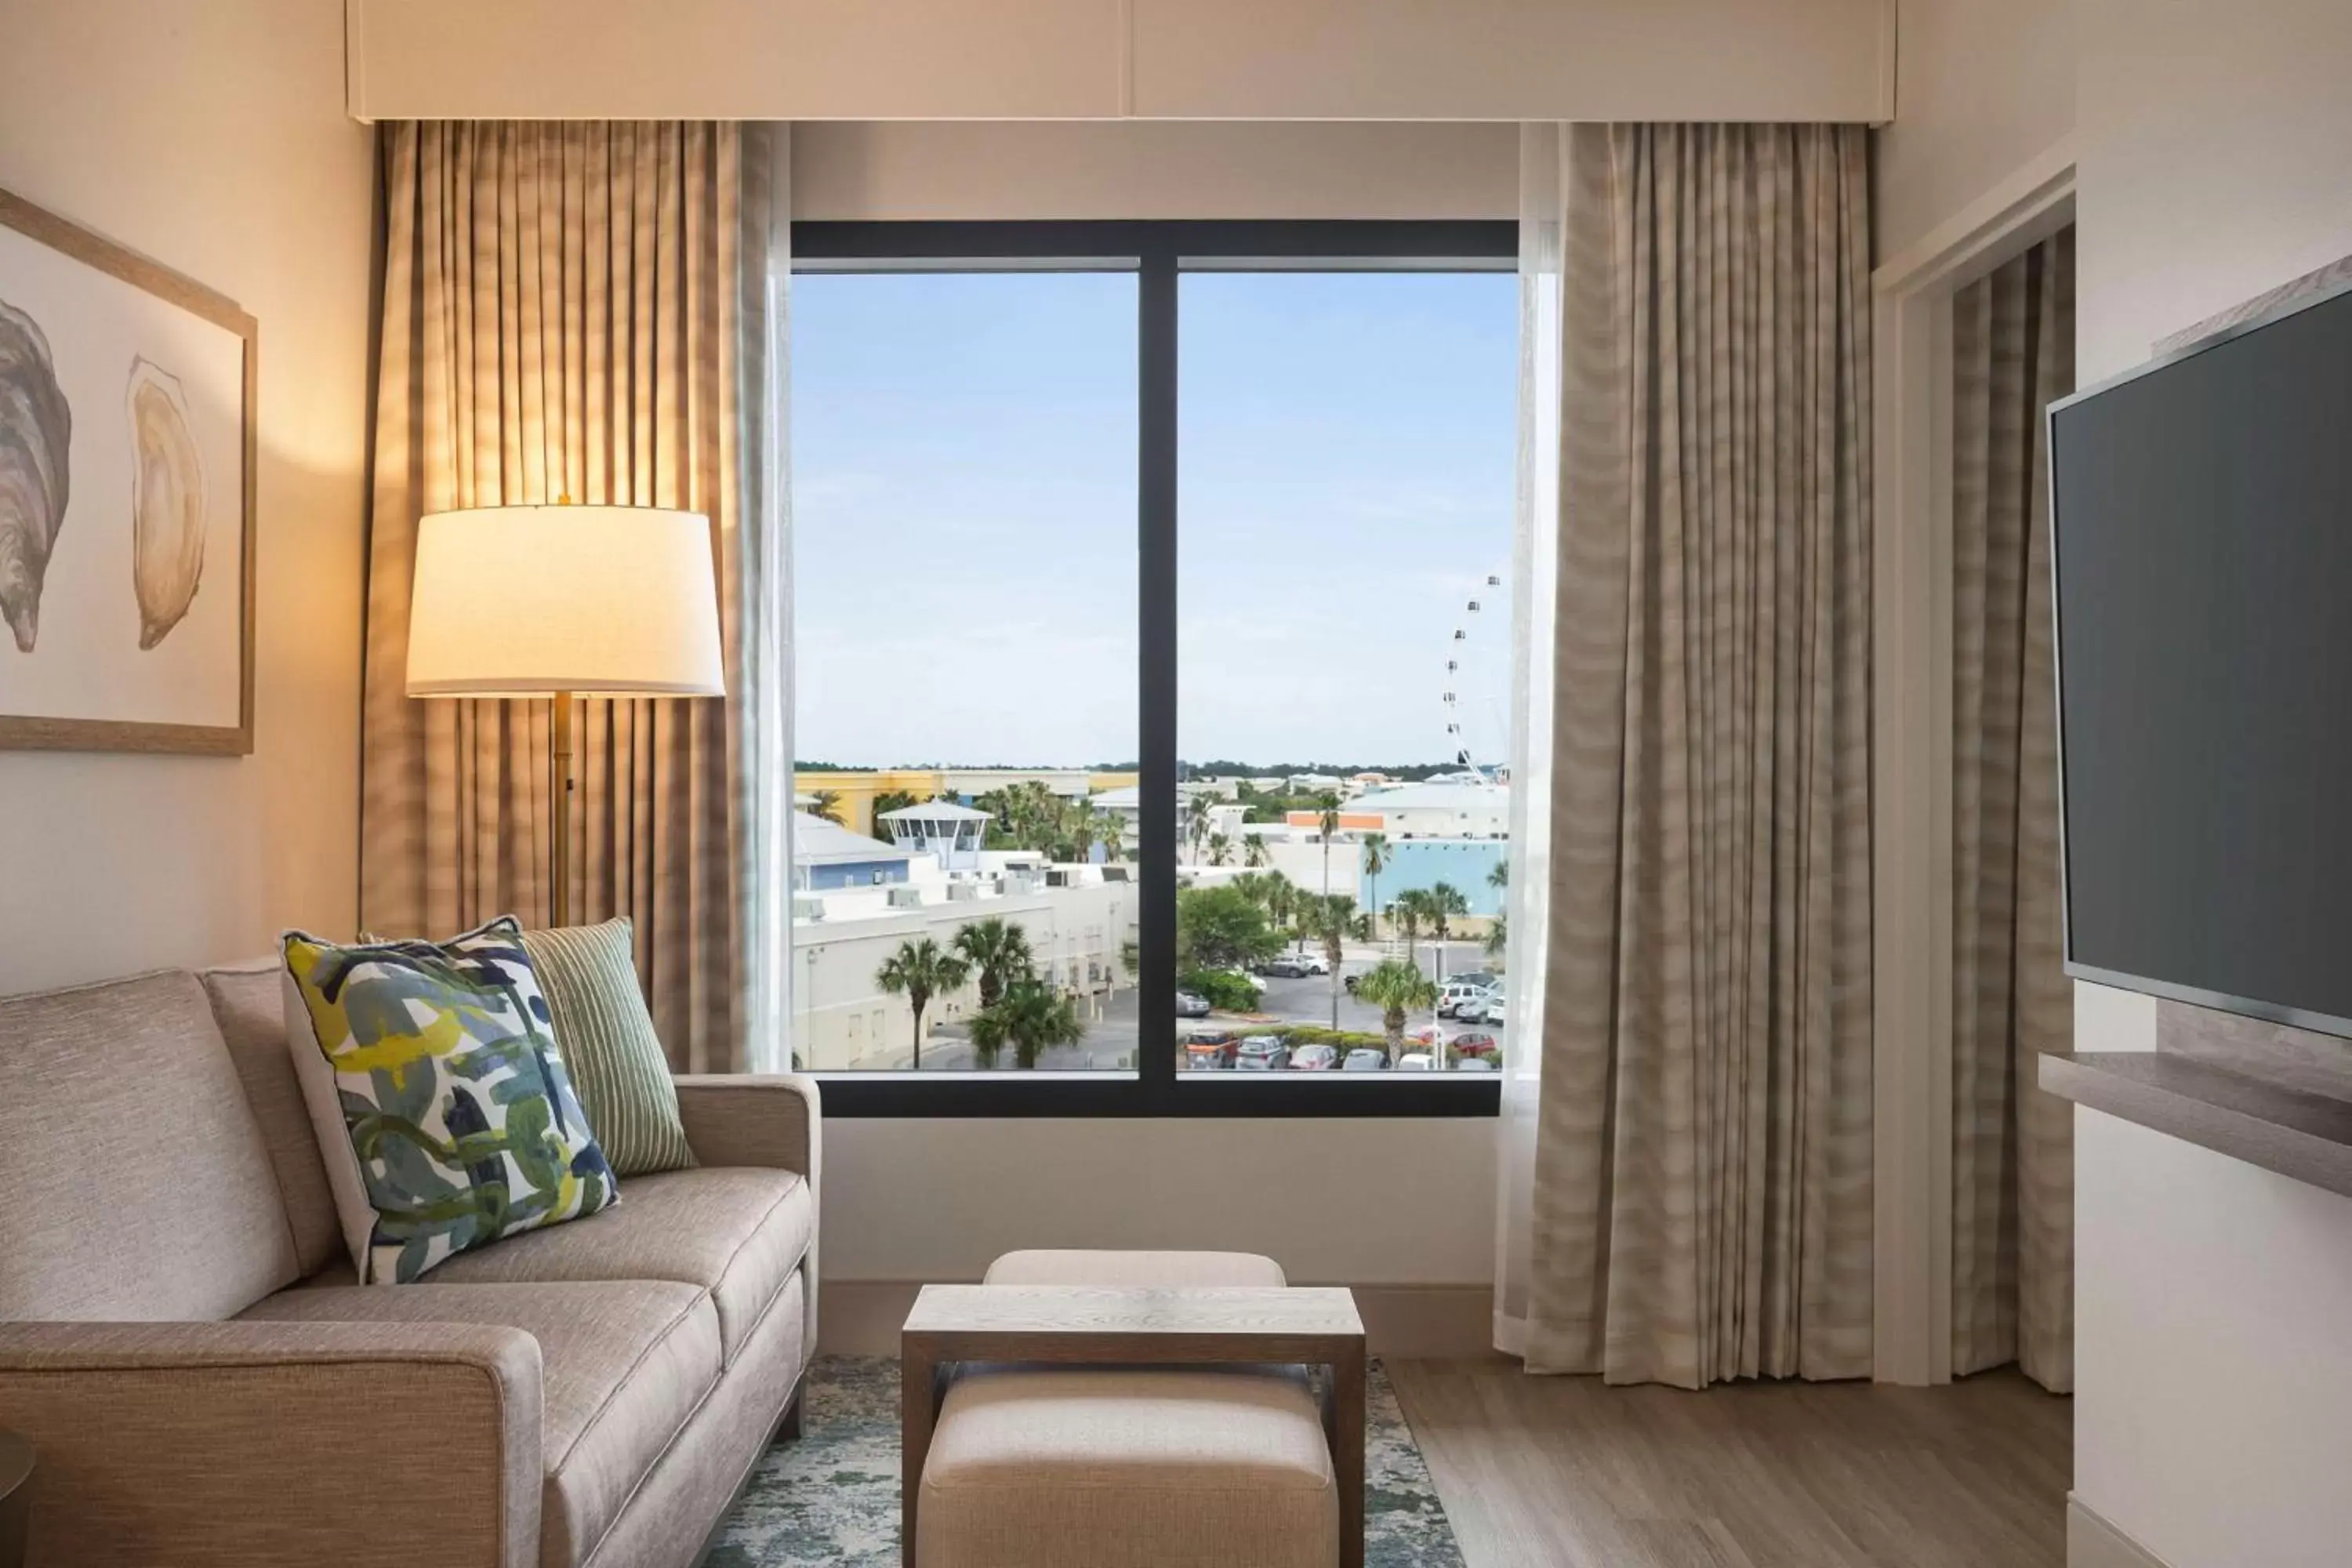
x: 1156, y: 674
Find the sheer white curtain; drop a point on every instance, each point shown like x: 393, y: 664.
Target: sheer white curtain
x: 768, y: 636
x: 1535, y: 562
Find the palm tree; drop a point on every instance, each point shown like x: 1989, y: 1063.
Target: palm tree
x: 890, y: 800
x: 1500, y: 874
x: 1196, y: 822
x: 1409, y: 910
x: 998, y: 949
x: 1330, y: 917
x: 1375, y: 860
x: 827, y: 803
x: 1396, y: 988
x: 1498, y: 936
x: 1280, y: 898
x: 919, y: 971
x: 1113, y: 836
x: 1327, y: 808
x: 1445, y: 901
x: 1254, y: 851
x: 1030, y: 1017
x: 1221, y: 849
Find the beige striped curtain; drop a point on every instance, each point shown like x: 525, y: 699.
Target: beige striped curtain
x: 2012, y: 1145
x: 581, y: 311
x: 1701, y: 1203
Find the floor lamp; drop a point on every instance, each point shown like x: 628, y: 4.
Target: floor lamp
x: 563, y: 602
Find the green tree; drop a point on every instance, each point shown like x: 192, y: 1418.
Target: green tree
x: 1498, y: 875
x: 1030, y: 1016
x: 1327, y: 817
x: 1113, y: 836
x: 1221, y: 849
x: 827, y: 803
x: 1498, y: 935
x: 1222, y: 928
x: 1375, y: 860
x: 1280, y: 898
x: 998, y: 950
x: 1254, y: 850
x: 1196, y: 822
x: 1445, y: 901
x: 1396, y: 988
x: 889, y: 800
x: 1410, y: 910
x: 919, y: 971
x: 1331, y: 918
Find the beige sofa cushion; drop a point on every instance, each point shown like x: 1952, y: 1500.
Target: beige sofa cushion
x: 250, y: 1006
x: 137, y: 1184
x: 735, y: 1232
x: 1120, y: 1469
x: 625, y: 1366
x: 1135, y: 1270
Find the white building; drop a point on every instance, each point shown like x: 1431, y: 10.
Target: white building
x: 1434, y: 810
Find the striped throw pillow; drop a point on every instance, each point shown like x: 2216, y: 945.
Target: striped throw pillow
x: 623, y: 1079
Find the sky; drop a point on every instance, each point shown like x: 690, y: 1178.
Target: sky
x: 963, y: 516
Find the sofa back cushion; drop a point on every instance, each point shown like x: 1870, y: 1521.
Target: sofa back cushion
x: 133, y: 1181
x: 250, y: 1004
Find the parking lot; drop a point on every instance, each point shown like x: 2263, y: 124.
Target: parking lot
x: 1111, y: 1041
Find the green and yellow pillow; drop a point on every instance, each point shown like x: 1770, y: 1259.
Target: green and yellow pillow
x: 439, y: 1095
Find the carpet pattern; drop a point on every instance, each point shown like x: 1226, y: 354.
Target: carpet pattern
x: 831, y: 1500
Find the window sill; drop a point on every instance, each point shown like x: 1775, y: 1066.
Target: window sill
x: 1203, y: 1096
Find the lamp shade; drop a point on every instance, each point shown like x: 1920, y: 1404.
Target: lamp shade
x: 522, y: 601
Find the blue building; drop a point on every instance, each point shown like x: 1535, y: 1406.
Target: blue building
x: 827, y: 858
x: 1424, y: 862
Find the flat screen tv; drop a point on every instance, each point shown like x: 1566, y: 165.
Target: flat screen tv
x: 2201, y: 514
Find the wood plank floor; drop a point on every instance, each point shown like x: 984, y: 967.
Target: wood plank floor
x: 1565, y: 1472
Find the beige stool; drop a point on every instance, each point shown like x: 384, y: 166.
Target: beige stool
x: 1120, y: 1468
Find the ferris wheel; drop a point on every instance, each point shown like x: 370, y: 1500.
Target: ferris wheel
x: 1477, y: 680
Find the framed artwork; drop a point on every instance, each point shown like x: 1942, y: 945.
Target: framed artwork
x: 126, y: 498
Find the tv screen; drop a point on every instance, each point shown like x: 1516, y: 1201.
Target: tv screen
x: 2201, y: 514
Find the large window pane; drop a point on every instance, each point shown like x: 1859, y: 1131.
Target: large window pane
x: 1347, y: 473
x: 965, y: 651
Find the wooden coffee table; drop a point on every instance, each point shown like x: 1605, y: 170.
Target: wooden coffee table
x: 1083, y: 1324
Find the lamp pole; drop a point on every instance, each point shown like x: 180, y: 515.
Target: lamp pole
x: 559, y: 860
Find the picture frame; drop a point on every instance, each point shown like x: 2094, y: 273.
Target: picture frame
x: 127, y: 446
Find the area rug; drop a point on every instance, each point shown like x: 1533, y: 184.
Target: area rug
x: 831, y: 1500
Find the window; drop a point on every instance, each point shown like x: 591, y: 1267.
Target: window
x: 1128, y: 675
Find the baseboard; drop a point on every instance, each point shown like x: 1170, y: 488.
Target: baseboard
x: 2093, y: 1543
x: 861, y: 1317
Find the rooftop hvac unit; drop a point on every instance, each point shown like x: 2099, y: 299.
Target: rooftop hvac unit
x: 963, y: 893
x: 1061, y: 879
x: 1019, y: 882
x: 808, y: 908
x: 906, y: 897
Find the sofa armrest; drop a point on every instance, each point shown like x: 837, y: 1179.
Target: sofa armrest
x: 239, y: 1443
x: 753, y: 1119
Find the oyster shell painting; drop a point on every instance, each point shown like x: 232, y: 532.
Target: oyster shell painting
x: 35, y: 430
x: 167, y: 502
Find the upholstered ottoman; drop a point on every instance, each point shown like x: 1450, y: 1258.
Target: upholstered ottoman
x: 1109, y: 1468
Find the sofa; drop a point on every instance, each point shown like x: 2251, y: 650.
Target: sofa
x: 182, y: 1338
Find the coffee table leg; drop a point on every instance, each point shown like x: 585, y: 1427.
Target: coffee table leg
x: 1348, y: 1452
x: 918, y: 1410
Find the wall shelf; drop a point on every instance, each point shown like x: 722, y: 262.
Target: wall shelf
x: 2293, y: 1130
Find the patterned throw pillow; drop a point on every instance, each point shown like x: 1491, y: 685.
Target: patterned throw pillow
x: 439, y: 1095
x: 616, y: 1061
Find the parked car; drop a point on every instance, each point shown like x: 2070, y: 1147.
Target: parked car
x: 1208, y: 1049
x: 1262, y: 1053
x: 1363, y: 1058
x: 1473, y: 1043
x: 1483, y: 1007
x: 1416, y: 1061
x: 1312, y: 963
x: 1474, y: 1064
x: 1287, y: 966
x: 1191, y: 1004
x: 1494, y: 1013
x: 1484, y: 978
x: 1457, y: 995
x: 1315, y: 1058
x: 1427, y: 1035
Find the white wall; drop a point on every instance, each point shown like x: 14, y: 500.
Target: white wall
x: 212, y: 137
x: 2213, y: 1370
x: 1358, y: 1202
x: 1981, y: 86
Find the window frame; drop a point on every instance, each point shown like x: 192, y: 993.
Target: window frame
x: 1158, y: 252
